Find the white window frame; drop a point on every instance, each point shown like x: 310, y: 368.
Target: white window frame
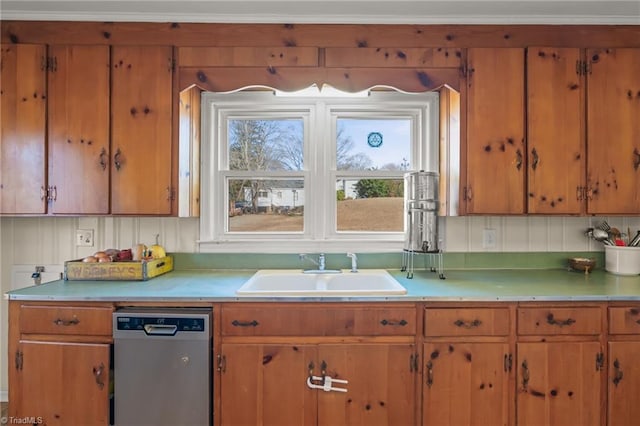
x: 319, y: 174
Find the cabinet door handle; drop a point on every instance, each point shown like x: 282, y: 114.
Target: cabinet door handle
x: 103, y: 159
x: 467, y: 324
x: 237, y: 323
x: 117, y: 159
x: 560, y: 323
x: 60, y: 321
x: 518, y: 159
x: 636, y: 160
x: 525, y: 374
x: 617, y: 372
x: 97, y: 372
x: 536, y: 159
x: 401, y: 323
x: 429, y: 373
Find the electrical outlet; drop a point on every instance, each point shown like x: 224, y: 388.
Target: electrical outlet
x: 489, y: 239
x: 84, y: 237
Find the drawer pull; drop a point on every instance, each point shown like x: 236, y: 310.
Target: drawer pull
x: 60, y: 321
x: 468, y: 324
x: 97, y: 372
x: 237, y: 323
x: 617, y: 373
x: 392, y: 323
x: 552, y: 321
x: 525, y: 374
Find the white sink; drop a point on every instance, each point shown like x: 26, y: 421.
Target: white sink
x: 296, y: 283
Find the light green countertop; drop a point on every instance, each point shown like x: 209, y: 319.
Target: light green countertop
x: 459, y: 285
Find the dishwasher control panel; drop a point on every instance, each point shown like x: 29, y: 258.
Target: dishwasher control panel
x: 142, y: 323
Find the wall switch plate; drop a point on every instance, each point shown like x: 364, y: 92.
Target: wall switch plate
x: 489, y: 239
x: 84, y: 237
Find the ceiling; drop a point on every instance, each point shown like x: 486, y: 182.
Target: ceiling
x: 607, y: 12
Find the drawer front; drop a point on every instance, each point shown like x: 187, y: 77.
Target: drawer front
x: 559, y: 321
x: 624, y: 320
x: 466, y: 322
x: 93, y: 321
x: 317, y: 321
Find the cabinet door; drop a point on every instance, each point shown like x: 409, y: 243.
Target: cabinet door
x: 555, y: 142
x: 613, y: 131
x: 141, y: 105
x: 381, y: 388
x: 466, y: 384
x: 64, y: 383
x: 267, y: 385
x: 624, y: 383
x: 495, y: 153
x: 22, y: 137
x: 79, y: 129
x: 559, y: 384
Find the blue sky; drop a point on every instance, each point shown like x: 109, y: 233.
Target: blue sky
x: 396, y: 136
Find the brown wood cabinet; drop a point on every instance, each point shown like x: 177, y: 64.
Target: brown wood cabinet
x: 495, y: 134
x: 555, y: 131
x: 542, y: 363
x: 467, y: 367
x: 23, y: 131
x: 266, y: 367
x: 583, y: 160
x: 78, y: 126
x: 623, y: 380
x: 61, y: 361
x: 141, y: 137
x: 560, y: 366
x: 613, y: 130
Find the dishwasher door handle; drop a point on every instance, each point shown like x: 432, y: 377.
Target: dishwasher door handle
x: 160, y: 329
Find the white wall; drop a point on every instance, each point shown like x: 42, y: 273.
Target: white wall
x: 51, y: 241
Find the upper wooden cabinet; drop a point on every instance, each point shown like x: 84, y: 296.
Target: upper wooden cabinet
x: 22, y: 138
x: 495, y: 153
x: 555, y: 136
x: 78, y: 129
x: 141, y: 108
x: 613, y: 131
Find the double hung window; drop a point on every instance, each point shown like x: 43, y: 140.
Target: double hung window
x: 310, y: 173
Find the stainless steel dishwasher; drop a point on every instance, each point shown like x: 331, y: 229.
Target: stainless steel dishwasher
x: 162, y: 367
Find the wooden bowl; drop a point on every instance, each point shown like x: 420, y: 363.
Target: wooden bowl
x: 585, y: 264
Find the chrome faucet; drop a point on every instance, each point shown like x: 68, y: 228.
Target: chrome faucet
x: 354, y: 262
x: 320, y: 263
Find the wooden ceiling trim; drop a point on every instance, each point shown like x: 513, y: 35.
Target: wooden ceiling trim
x: 319, y: 35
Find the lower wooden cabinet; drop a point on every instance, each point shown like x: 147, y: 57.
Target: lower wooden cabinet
x: 268, y: 384
x: 59, y: 365
x: 623, y: 378
x: 559, y: 383
x: 466, y: 384
x: 524, y: 364
x: 467, y: 365
x: 62, y: 383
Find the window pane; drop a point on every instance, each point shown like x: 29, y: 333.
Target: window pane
x: 371, y: 205
x: 272, y: 144
x: 266, y: 205
x: 373, y: 144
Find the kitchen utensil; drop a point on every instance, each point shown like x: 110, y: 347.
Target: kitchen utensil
x: 582, y: 264
x: 602, y: 236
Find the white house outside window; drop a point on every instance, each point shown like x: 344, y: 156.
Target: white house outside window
x: 285, y: 174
